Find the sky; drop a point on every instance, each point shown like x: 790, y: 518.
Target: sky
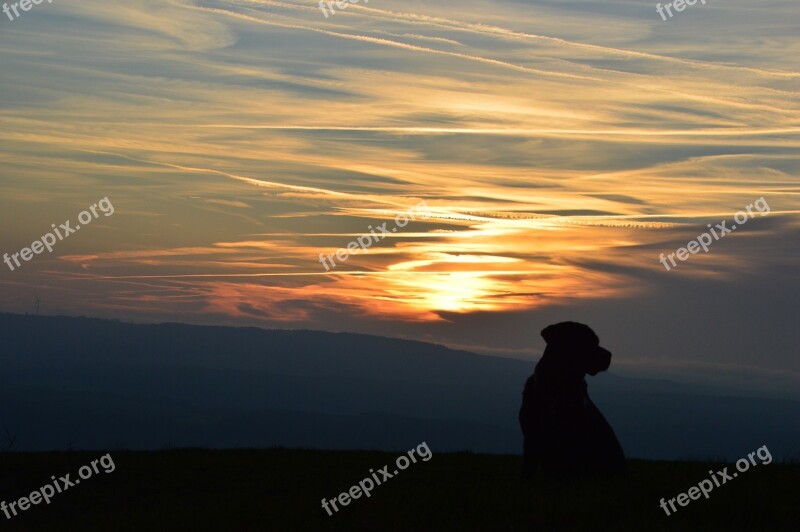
x: 559, y: 147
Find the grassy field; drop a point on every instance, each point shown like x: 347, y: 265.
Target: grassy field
x: 281, y: 489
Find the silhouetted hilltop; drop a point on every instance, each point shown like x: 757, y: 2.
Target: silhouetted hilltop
x: 279, y: 489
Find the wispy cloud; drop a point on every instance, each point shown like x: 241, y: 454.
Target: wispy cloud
x: 560, y: 147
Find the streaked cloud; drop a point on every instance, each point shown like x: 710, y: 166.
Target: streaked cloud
x: 560, y: 146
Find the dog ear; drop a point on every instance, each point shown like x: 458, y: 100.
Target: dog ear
x: 597, y: 360
x: 569, y: 333
x: 558, y: 333
x: 549, y: 333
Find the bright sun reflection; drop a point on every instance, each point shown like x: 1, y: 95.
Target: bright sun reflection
x: 454, y: 292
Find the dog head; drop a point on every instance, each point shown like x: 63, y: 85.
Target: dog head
x: 576, y: 345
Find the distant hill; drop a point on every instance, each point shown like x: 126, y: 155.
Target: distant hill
x: 89, y: 384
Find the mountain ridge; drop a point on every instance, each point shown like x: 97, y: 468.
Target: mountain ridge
x: 191, y: 381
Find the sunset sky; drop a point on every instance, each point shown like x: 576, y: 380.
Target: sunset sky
x: 560, y: 146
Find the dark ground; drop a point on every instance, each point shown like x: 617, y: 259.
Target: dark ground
x: 282, y: 490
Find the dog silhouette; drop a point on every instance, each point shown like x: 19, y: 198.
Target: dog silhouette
x: 565, y: 435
